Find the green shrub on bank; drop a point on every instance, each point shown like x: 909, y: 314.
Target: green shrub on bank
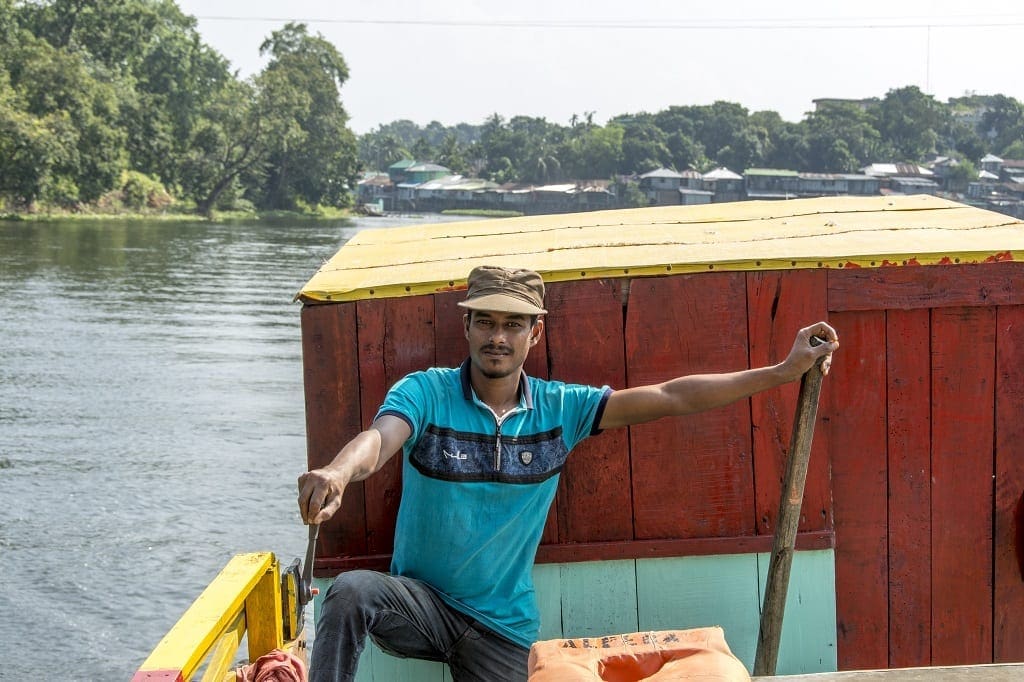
x: 136, y: 192
x: 482, y: 212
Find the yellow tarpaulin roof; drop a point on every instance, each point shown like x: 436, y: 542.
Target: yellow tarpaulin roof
x: 748, y: 235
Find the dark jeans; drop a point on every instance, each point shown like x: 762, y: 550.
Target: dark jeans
x: 406, y: 619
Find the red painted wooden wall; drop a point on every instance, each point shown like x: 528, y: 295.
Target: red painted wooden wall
x: 917, y: 469
x: 927, y: 449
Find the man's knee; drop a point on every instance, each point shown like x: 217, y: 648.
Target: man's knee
x: 357, y: 587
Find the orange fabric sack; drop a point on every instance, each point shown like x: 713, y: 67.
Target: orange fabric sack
x: 697, y: 654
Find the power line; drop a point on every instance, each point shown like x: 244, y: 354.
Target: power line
x: 990, y: 21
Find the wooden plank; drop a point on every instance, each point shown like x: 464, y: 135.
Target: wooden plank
x: 547, y: 585
x: 692, y: 477
x: 373, y: 385
x: 225, y: 652
x: 264, y: 630
x: 963, y: 371
x: 585, y: 345
x: 1008, y: 644
x: 859, y: 487
x: 908, y: 339
x: 610, y: 551
x: 784, y: 539
x: 690, y: 592
x: 396, y: 337
x: 808, y: 642
x: 972, y: 673
x: 331, y: 377
x: 598, y: 598
x: 187, y: 643
x: 932, y: 286
x: 450, y: 347
x: 778, y: 305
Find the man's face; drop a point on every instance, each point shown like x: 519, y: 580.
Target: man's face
x: 500, y: 342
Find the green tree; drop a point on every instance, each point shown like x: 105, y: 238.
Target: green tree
x: 790, y: 148
x: 840, y: 139
x: 391, y: 151
x: 964, y: 140
x: 958, y: 177
x: 594, y: 152
x: 226, y: 144
x: 525, y: 148
x: 78, y: 102
x: 1015, y: 150
x: 1003, y: 121
x: 685, y: 152
x: 910, y: 121
x: 311, y: 153
x: 451, y: 155
x: 423, y: 150
x: 31, y: 149
x: 379, y: 149
x: 644, y: 145
x: 150, y: 46
x: 724, y: 130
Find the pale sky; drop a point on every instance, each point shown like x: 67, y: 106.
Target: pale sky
x: 461, y: 61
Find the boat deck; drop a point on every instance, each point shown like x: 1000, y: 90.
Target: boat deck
x: 1000, y: 672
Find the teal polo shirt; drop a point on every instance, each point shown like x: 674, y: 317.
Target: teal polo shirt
x: 476, y: 488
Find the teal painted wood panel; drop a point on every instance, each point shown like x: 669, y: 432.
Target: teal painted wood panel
x: 690, y: 592
x: 808, y: 642
x: 387, y: 668
x: 547, y: 582
x: 598, y: 598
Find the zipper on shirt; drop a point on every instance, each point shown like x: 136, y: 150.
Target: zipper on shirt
x: 497, y: 449
x: 498, y: 421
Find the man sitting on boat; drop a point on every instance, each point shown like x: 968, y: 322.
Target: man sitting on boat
x: 483, y: 445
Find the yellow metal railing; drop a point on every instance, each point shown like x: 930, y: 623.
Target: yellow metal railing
x: 243, y: 600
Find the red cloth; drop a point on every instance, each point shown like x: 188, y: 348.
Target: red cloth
x: 277, y: 666
x: 698, y: 654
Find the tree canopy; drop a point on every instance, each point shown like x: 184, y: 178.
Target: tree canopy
x: 107, y: 101
x: 906, y: 125
x: 94, y: 92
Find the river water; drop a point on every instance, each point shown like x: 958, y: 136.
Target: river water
x: 151, y: 426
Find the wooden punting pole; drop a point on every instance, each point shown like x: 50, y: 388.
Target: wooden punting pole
x: 773, y: 609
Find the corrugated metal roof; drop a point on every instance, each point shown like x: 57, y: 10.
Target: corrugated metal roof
x: 721, y: 174
x: 661, y: 173
x: 915, y: 182
x: 565, y: 187
x: 825, y: 176
x: 426, y: 167
x: 746, y: 235
x: 447, y: 181
x: 768, y: 194
x: 896, y: 169
x: 774, y: 172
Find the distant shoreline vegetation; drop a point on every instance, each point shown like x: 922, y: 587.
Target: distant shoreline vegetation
x: 185, y: 216
x: 483, y: 212
x: 107, y: 108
